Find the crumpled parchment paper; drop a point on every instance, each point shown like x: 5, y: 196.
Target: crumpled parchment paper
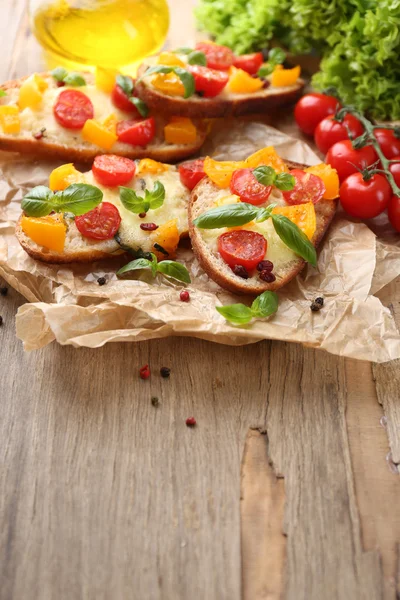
x: 67, y: 304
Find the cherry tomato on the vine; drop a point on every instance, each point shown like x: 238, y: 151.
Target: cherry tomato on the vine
x: 346, y: 160
x: 389, y: 143
x: 395, y: 171
x: 365, y: 199
x: 312, y: 108
x: 394, y: 212
x: 329, y: 131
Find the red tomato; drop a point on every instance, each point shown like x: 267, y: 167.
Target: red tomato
x: 138, y: 132
x: 111, y: 170
x: 365, y: 199
x: 342, y: 157
x: 241, y: 247
x: 394, y: 212
x: 329, y: 131
x: 208, y: 81
x: 307, y: 188
x: 249, y: 62
x: 72, y: 109
x: 218, y: 57
x: 312, y: 108
x: 395, y: 170
x: 101, y: 223
x: 389, y: 143
x: 191, y: 172
x: 245, y: 185
x: 121, y: 100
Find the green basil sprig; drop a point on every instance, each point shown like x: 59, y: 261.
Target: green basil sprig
x: 182, y: 50
x: 239, y: 314
x: 268, y: 176
x: 139, y: 204
x: 69, y: 78
x: 169, y: 268
x: 2, y: 93
x: 77, y: 198
x: 276, y: 56
x: 127, y: 86
x: 186, y: 78
x: 197, y: 58
x: 232, y: 215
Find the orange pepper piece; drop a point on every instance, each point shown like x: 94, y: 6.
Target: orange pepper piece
x: 167, y: 236
x: 303, y: 215
x: 63, y: 176
x: 170, y: 59
x: 330, y: 178
x: 168, y: 83
x: 98, y: 134
x: 47, y: 231
x: 269, y: 157
x: 9, y: 119
x: 148, y: 165
x: 284, y: 77
x: 180, y: 130
x: 220, y: 172
x: 241, y: 82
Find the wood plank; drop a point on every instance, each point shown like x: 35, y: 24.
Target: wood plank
x: 13, y: 13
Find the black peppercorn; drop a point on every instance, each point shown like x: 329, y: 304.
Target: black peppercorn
x: 102, y: 280
x: 1, y: 321
x: 155, y: 401
x: 317, y: 304
x: 3, y: 291
x: 165, y: 372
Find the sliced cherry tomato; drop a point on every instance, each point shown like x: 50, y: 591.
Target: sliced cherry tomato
x: 101, y: 223
x: 241, y: 247
x: 121, y: 100
x: 218, y: 57
x: 312, y: 108
x: 249, y: 62
x: 191, y: 172
x: 329, y: 131
x: 395, y: 170
x: 112, y: 170
x: 365, y: 199
x: 389, y: 143
x: 245, y: 185
x: 208, y: 81
x: 394, y: 212
x: 342, y: 157
x: 307, y: 188
x: 72, y: 109
x: 138, y: 132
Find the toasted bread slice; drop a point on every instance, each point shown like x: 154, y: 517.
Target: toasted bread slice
x: 286, y: 264
x: 226, y: 104
x: 68, y: 143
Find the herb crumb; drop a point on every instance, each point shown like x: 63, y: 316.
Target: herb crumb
x: 155, y: 401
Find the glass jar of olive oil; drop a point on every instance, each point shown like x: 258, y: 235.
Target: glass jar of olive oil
x: 106, y: 33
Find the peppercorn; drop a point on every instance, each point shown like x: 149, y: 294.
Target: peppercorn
x: 165, y: 372
x: 240, y: 271
x: 3, y: 291
x: 155, y: 401
x: 148, y: 226
x: 267, y: 276
x: 60, y: 83
x: 1, y: 321
x: 265, y: 265
x: 266, y: 84
x: 184, y: 296
x: 40, y: 134
x: 144, y: 372
x: 142, y: 215
x: 102, y: 280
x: 317, y: 304
x: 191, y: 422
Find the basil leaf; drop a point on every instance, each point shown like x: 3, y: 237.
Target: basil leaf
x: 59, y: 73
x: 265, y: 70
x: 141, y: 106
x: 294, y: 238
x: 134, y: 265
x: 77, y: 198
x: 285, y: 181
x: 74, y: 79
x: 132, y: 201
x: 183, y: 50
x: 38, y: 202
x: 186, y: 78
x: 229, y: 215
x: 265, y: 213
x: 125, y: 83
x: 174, y: 269
x: 265, y: 305
x: 197, y: 58
x: 265, y: 175
x: 155, y: 198
x: 154, y: 264
x: 276, y: 56
x: 2, y: 93
x: 238, y: 314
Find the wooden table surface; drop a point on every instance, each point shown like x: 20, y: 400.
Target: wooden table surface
x: 287, y: 488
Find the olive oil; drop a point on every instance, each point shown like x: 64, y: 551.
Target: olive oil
x: 106, y: 33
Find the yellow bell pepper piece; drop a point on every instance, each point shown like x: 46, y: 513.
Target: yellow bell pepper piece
x: 284, y: 77
x: 220, y: 172
x: 9, y: 119
x: 303, y: 215
x: 31, y: 92
x: 266, y: 156
x: 167, y: 236
x: 180, y: 130
x: 105, y: 79
x: 63, y: 176
x: 110, y: 123
x: 96, y: 133
x: 148, y: 165
x: 48, y: 231
x: 241, y: 82
x: 231, y: 199
x: 168, y: 83
x: 330, y: 178
x: 170, y: 59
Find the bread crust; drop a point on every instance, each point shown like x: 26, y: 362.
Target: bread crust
x: 43, y: 148
x: 203, y: 108
x: 325, y: 211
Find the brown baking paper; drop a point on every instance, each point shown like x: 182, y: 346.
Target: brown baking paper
x: 67, y: 304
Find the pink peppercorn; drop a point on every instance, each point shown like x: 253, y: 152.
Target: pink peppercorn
x: 145, y: 372
x: 184, y: 296
x: 191, y: 422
